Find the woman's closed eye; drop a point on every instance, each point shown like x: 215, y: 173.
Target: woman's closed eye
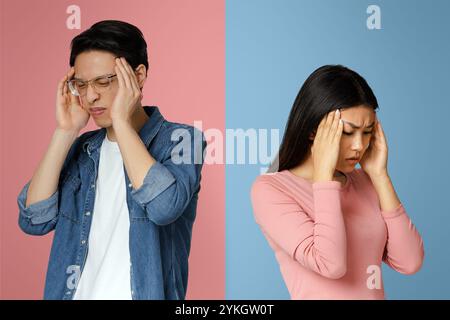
x: 350, y: 133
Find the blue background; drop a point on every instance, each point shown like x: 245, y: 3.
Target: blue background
x: 271, y: 48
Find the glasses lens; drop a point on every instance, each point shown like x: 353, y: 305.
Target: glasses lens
x: 72, y: 88
x: 102, y: 84
x: 80, y: 86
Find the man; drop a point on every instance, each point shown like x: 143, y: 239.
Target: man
x: 122, y: 199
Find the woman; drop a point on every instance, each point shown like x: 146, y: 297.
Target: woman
x: 332, y: 225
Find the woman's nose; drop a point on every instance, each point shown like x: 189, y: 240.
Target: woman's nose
x: 357, y: 144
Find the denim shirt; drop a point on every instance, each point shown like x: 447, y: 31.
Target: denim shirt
x: 162, y: 211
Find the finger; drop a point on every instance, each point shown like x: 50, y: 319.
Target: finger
x: 319, y: 129
x: 73, y: 99
x: 71, y: 72
x: 330, y: 119
x: 61, y: 84
x: 69, y: 76
x: 134, y: 80
x: 132, y: 75
x: 137, y: 92
x: 335, y: 124
x: 126, y: 66
x: 381, y: 132
x: 125, y: 76
x: 339, y: 130
x: 80, y: 102
x: 321, y: 124
x: 65, y: 88
x: 119, y: 76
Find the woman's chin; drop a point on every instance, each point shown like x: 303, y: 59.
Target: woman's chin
x: 347, y: 168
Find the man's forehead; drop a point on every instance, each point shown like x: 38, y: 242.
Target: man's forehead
x: 89, y: 65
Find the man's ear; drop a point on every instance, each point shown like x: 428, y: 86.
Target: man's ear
x: 141, y: 75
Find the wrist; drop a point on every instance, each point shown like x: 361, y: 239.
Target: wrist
x: 379, y: 175
x: 63, y: 138
x: 118, y: 123
x: 379, y: 179
x: 66, y: 133
x: 322, y: 176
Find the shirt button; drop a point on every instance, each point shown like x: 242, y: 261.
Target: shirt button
x: 88, y: 213
x: 83, y: 241
x: 68, y: 292
x: 92, y: 186
x: 130, y: 185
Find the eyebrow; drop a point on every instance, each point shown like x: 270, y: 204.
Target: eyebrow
x: 354, y: 126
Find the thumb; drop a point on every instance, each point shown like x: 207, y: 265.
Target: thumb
x: 75, y: 100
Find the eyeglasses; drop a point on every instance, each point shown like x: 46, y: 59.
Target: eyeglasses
x: 100, y: 84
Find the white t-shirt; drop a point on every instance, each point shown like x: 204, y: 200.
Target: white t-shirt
x: 106, y: 274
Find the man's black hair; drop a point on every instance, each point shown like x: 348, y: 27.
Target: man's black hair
x: 120, y: 38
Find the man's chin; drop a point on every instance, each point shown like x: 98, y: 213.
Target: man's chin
x: 103, y: 123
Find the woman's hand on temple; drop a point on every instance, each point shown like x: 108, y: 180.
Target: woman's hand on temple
x: 325, y: 149
x: 374, y: 160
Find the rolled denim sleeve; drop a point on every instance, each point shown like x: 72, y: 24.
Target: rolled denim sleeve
x: 38, y: 218
x: 169, y: 186
x: 41, y: 217
x: 157, y: 180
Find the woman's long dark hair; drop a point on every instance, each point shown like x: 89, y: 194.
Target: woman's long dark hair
x: 328, y: 88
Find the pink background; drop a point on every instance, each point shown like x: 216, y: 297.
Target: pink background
x: 186, y: 80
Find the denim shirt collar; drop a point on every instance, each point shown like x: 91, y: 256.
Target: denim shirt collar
x: 147, y: 132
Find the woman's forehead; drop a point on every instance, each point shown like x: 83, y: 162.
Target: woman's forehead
x: 360, y: 116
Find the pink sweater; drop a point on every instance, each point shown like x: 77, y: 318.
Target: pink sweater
x: 329, y: 239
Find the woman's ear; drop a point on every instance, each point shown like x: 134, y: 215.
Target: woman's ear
x: 311, y: 137
x: 141, y: 75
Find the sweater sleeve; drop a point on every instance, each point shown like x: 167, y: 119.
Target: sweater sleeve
x: 404, y: 248
x: 318, y: 245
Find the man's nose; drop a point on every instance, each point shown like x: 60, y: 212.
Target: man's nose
x: 91, y: 95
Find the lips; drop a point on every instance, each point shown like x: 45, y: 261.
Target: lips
x: 95, y: 111
x: 352, y: 161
